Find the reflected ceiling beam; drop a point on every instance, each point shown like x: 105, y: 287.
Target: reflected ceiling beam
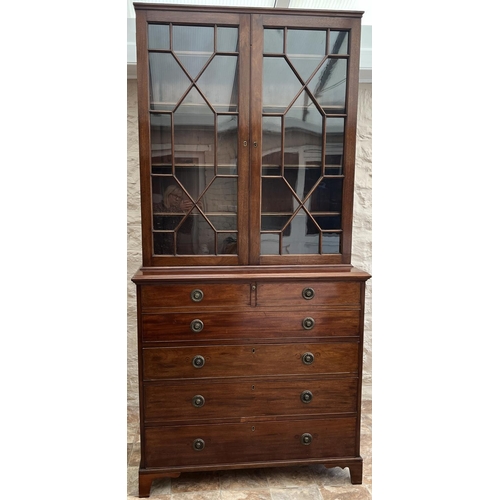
x: 281, y: 4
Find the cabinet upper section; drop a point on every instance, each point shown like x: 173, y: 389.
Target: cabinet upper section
x: 247, y: 129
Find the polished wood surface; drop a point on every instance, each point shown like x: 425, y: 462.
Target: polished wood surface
x: 247, y: 360
x: 250, y: 442
x: 255, y: 397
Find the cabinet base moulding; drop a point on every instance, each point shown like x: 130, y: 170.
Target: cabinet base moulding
x: 147, y: 476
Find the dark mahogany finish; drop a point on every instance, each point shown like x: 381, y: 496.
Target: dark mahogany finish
x: 248, y: 356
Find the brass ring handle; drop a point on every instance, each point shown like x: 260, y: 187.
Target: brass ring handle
x: 306, y: 397
x: 308, y: 293
x: 308, y: 358
x: 198, y: 444
x: 198, y: 361
x: 306, y: 439
x: 197, y: 325
x: 198, y: 401
x: 308, y: 323
x: 197, y: 295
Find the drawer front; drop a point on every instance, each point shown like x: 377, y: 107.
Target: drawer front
x: 209, y: 400
x: 250, y: 360
x: 200, y: 326
x: 196, y: 296
x: 308, y: 294
x: 250, y: 442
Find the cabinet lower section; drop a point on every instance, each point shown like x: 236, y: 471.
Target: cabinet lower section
x: 246, y: 372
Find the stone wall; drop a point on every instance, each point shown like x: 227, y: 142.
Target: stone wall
x: 362, y: 220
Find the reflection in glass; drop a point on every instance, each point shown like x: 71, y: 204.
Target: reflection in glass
x: 223, y: 222
x: 334, y: 146
x: 329, y: 85
x: 273, y: 41
x: 158, y: 36
x: 227, y: 39
x: 276, y: 196
x: 227, y: 243
x: 170, y: 204
x: 331, y: 243
x: 271, y: 145
x: 304, y: 130
x: 221, y: 197
x: 303, y: 179
x: 167, y: 81
x: 338, y: 42
x: 300, y: 240
x: 227, y: 144
x: 327, y: 221
x: 194, y: 131
x: 161, y: 138
x: 273, y: 222
x: 327, y: 197
x: 193, y: 178
x: 306, y: 49
x: 219, y: 83
x: 196, y: 236
x: 269, y: 244
x: 193, y: 45
x: 280, y: 85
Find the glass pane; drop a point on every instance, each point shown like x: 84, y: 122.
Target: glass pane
x: 227, y: 144
x: 271, y: 145
x: 269, y: 244
x: 331, y: 243
x: 159, y: 36
x: 227, y: 39
x: 161, y: 139
x: 305, y: 50
x: 338, y: 42
x: 223, y: 222
x: 334, y: 146
x: 221, y: 197
x: 327, y: 197
x: 193, y: 45
x: 277, y: 197
x: 168, y: 82
x: 328, y: 221
x: 280, y: 85
x: 170, y: 203
x: 196, y: 236
x: 329, y: 85
x: 273, y: 222
x: 194, y: 131
x: 194, y: 179
x: 304, y: 137
x: 302, y: 179
x: 301, y: 239
x: 273, y: 41
x: 219, y: 83
x: 227, y: 244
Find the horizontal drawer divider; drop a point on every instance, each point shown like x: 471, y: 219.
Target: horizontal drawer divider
x: 247, y: 419
x: 248, y: 341
x: 248, y: 379
x: 223, y: 308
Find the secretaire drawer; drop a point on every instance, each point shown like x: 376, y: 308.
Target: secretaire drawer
x: 202, y: 326
x: 248, y: 442
x: 291, y: 294
x: 215, y: 399
x: 196, y: 296
x: 249, y: 360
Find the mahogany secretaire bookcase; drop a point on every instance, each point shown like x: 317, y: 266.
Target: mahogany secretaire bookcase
x: 250, y: 314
